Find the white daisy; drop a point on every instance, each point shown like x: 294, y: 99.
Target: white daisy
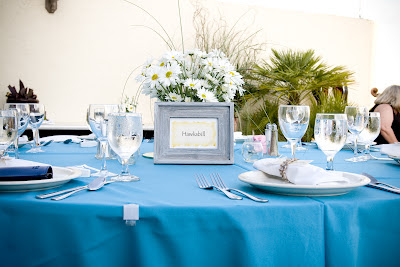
x: 173, y: 97
x: 153, y: 76
x: 130, y: 108
x: 192, y: 83
x: 233, y: 78
x: 206, y: 96
x: 172, y: 55
x: 169, y: 74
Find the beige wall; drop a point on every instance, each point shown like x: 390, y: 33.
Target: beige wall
x: 85, y: 51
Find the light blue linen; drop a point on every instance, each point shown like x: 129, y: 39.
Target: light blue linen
x: 182, y: 225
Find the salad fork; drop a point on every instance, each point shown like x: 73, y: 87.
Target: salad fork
x: 203, y: 184
x: 217, y: 180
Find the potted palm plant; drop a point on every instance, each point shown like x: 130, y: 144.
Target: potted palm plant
x: 294, y: 78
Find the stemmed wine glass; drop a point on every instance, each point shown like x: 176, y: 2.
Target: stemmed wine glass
x: 293, y: 121
x: 22, y: 120
x: 370, y: 133
x: 36, y: 118
x: 357, y: 118
x: 8, y: 129
x: 125, y: 135
x: 330, y: 132
x: 98, y: 117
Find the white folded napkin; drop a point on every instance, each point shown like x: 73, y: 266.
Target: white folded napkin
x: 13, y: 162
x: 301, y: 172
x: 391, y: 149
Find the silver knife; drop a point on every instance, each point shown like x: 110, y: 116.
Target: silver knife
x: 384, y: 188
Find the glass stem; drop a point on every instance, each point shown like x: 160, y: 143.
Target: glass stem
x: 355, y: 146
x: 329, y: 163
x: 367, y: 149
x: 35, y: 137
x: 293, y: 147
x: 125, y: 167
x: 103, y: 144
x: 16, y: 148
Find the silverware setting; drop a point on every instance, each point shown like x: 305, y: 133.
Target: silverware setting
x: 219, y: 184
x: 48, y: 195
x: 204, y: 184
x: 217, y: 180
x: 382, y: 186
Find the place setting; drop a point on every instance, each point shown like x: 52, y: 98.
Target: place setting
x: 121, y: 131
x: 296, y: 177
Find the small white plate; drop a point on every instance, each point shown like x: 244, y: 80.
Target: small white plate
x: 149, y: 155
x: 276, y: 185
x: 61, y: 176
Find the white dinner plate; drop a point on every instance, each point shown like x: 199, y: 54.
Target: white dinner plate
x: 397, y: 159
x: 61, y: 176
x: 276, y: 185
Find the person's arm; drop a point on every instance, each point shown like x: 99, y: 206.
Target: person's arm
x: 386, y: 112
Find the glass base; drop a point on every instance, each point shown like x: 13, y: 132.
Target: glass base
x: 125, y: 178
x: 35, y: 150
x: 103, y: 173
x: 357, y: 159
x: 299, y: 147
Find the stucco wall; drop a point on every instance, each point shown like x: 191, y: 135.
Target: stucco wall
x: 85, y: 51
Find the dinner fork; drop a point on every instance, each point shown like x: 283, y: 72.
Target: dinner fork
x: 204, y: 184
x: 217, y: 180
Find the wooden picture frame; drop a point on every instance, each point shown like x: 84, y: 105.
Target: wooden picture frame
x: 193, y: 133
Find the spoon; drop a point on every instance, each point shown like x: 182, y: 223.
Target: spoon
x: 92, y: 186
x: 375, y: 182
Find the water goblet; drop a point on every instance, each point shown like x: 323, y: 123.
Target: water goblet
x: 8, y: 129
x: 125, y: 135
x: 370, y: 133
x: 293, y: 121
x: 330, y: 133
x: 36, y: 118
x: 22, y: 121
x: 357, y: 118
x: 97, y: 117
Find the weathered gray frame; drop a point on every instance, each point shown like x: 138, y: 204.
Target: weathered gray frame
x: 222, y: 111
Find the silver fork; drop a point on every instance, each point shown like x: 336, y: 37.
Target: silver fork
x: 217, y: 180
x: 204, y: 184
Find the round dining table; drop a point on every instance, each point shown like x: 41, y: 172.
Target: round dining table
x: 180, y: 224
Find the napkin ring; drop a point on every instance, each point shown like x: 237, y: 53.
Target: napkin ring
x: 283, y: 168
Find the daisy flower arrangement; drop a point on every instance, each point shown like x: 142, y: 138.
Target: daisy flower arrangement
x: 193, y: 76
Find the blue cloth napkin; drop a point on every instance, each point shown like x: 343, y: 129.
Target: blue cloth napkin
x: 26, y: 173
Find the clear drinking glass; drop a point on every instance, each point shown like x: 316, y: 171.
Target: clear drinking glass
x: 330, y: 133
x: 36, y: 118
x: 97, y: 117
x: 8, y: 129
x: 293, y: 121
x: 357, y: 118
x: 370, y: 133
x: 23, y: 120
x: 252, y: 151
x: 125, y: 135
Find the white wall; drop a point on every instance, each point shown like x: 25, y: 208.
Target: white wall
x: 85, y: 51
x: 385, y: 67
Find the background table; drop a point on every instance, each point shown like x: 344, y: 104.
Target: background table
x: 182, y: 225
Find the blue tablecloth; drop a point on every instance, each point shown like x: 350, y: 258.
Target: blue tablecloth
x: 182, y: 225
